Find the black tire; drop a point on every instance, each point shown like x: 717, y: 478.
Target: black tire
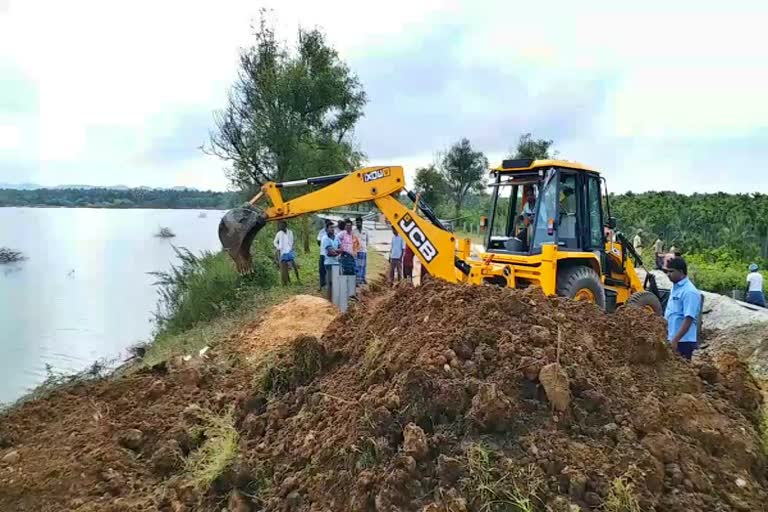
x: 645, y: 300
x: 572, y: 280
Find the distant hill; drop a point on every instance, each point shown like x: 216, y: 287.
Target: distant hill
x: 78, y: 196
x: 35, y: 186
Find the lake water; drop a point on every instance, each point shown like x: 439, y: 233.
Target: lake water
x: 84, y: 293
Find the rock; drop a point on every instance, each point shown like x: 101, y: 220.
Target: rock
x: 647, y: 415
x: 562, y: 504
x: 611, y: 430
x: 708, y: 372
x: 415, y: 442
x: 156, y: 389
x: 577, y: 485
x: 491, y: 410
x: 294, y: 500
x: 133, y: 439
x: 12, y: 457
x: 662, y: 446
x: 592, y: 499
x: 6, y: 441
x: 531, y: 368
x: 449, y: 470
x: 288, y: 485
x: 237, y: 503
x: 654, y: 475
x: 192, y: 414
x: 168, y: 458
x: 737, y: 503
x: 115, y: 483
x: 540, y: 335
x: 392, y: 401
x: 254, y: 425
x: 675, y: 474
x: 593, y: 400
x: 556, y: 385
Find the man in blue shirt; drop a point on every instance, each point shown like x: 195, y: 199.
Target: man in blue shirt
x: 683, y: 309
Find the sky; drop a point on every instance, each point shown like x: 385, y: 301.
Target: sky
x: 658, y: 95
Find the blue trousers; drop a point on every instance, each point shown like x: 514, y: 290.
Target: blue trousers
x: 361, y: 267
x: 686, y: 348
x: 756, y: 298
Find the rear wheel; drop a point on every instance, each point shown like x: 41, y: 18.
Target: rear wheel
x: 581, y: 283
x: 646, y: 300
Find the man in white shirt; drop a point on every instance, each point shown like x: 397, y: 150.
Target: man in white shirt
x: 284, y: 245
x: 321, y: 268
x: 755, y: 286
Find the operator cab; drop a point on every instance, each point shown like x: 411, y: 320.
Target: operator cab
x: 537, y: 202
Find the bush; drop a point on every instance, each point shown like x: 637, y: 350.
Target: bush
x: 203, y: 287
x: 716, y: 271
x: 9, y: 255
x: 165, y: 233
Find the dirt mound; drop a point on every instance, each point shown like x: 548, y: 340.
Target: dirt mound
x: 300, y: 315
x: 440, y: 398
x: 749, y: 342
x: 112, y: 444
x: 448, y: 398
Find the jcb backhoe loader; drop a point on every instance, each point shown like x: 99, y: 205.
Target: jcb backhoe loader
x: 546, y: 228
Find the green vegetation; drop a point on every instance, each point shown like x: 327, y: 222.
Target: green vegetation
x: 494, y: 487
x: 291, y: 113
x: 207, y: 463
x: 119, y: 198
x: 203, y: 298
x: 718, y: 234
x: 621, y: 497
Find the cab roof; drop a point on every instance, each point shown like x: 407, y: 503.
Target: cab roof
x: 529, y: 164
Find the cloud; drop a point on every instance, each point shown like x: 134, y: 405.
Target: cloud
x: 657, y: 95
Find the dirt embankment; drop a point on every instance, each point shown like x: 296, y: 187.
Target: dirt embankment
x: 439, y: 398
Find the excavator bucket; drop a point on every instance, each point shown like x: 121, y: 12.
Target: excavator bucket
x: 237, y: 229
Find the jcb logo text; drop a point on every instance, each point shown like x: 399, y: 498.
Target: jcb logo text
x: 375, y: 175
x: 417, y: 236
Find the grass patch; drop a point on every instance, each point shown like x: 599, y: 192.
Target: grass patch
x: 377, y: 265
x: 373, y: 352
x: 56, y: 381
x: 621, y: 497
x: 494, y: 487
x: 278, y: 372
x: 213, y: 457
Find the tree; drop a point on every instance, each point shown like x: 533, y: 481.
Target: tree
x: 432, y: 185
x: 463, y: 170
x: 537, y: 149
x: 290, y: 113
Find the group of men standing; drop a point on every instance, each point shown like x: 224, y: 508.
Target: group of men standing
x: 343, y: 259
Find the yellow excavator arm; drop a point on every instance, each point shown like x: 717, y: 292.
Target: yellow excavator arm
x: 437, y: 248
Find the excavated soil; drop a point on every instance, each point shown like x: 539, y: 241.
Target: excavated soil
x: 300, y: 315
x: 437, y: 398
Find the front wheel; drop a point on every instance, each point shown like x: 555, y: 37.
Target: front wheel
x: 581, y: 283
x: 646, y: 300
